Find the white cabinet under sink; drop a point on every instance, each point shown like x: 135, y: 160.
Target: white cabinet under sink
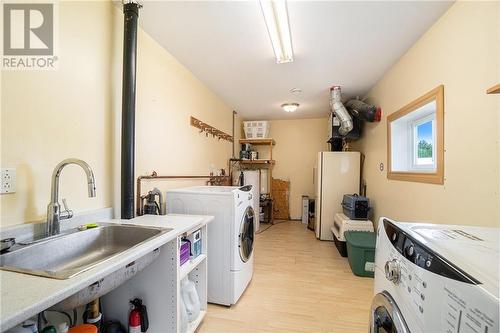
x: 159, y: 288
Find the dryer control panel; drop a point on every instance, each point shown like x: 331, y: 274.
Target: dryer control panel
x: 432, y: 293
x: 423, y: 257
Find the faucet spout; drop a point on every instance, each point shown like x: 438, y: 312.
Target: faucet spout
x: 91, y: 189
x: 53, y: 208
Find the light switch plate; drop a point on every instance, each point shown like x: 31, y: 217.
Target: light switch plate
x: 8, y: 181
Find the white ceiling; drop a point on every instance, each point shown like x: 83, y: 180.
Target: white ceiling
x: 226, y: 45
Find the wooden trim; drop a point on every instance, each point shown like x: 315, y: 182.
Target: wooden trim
x: 258, y: 141
x: 494, y: 90
x: 422, y: 177
x: 418, y: 177
x: 257, y: 162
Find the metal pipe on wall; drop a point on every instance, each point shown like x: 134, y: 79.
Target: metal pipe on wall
x: 234, y: 115
x: 154, y: 175
x: 131, y: 15
x: 346, y: 124
x: 211, y: 180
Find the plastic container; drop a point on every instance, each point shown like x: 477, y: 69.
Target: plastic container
x: 63, y: 327
x: 85, y: 328
x: 361, y: 252
x: 258, y: 129
x: 341, y: 224
x: 356, y: 207
x: 190, y: 298
x: 184, y: 317
x: 195, y: 239
x: 185, y: 251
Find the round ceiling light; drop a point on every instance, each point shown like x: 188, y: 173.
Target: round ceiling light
x: 289, y: 107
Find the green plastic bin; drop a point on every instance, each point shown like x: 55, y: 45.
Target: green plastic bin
x: 361, y: 252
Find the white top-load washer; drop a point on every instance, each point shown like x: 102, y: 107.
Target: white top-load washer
x: 230, y: 235
x: 436, y: 278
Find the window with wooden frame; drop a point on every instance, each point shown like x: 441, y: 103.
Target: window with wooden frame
x: 415, y: 140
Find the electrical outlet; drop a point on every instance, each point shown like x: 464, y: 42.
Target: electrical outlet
x: 8, y: 181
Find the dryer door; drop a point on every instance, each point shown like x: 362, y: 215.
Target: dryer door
x: 246, y: 235
x: 385, y: 316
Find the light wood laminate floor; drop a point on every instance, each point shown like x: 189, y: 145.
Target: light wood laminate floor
x: 299, y: 284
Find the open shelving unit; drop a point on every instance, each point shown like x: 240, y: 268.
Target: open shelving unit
x: 159, y: 288
x: 262, y: 163
x: 190, y: 265
x: 267, y: 164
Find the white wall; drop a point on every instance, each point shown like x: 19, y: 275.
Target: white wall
x: 298, y: 142
x: 461, y: 51
x: 48, y: 116
x: 75, y: 112
x: 167, y: 95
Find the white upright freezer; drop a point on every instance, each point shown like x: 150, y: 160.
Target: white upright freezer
x: 337, y: 173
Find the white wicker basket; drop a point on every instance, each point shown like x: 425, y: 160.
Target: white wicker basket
x: 257, y: 129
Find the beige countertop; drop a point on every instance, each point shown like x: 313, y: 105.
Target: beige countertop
x: 23, y: 296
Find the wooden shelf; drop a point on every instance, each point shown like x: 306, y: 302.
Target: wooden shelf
x: 190, y: 265
x: 265, y: 164
x: 266, y: 141
x: 493, y: 90
x: 270, y: 162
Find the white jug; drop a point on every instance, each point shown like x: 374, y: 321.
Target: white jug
x: 184, y: 317
x: 190, y: 297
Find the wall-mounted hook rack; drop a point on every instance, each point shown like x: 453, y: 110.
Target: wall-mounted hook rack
x: 210, y: 130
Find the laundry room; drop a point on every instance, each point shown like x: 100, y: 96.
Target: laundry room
x: 250, y: 166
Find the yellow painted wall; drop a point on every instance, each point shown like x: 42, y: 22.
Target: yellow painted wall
x: 51, y: 115
x: 167, y: 95
x: 75, y: 112
x: 462, y: 52
x: 298, y: 142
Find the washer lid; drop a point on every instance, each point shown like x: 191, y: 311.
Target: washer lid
x: 475, y: 250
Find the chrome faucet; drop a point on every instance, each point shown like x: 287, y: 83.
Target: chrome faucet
x: 54, y: 214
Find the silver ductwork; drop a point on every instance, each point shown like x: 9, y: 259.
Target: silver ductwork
x: 339, y: 110
x: 367, y: 112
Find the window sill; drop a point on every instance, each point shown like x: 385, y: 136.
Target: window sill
x: 420, y: 177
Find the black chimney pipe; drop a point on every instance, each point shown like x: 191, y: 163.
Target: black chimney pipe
x: 131, y: 15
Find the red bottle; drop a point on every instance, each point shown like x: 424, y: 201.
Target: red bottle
x: 134, y: 320
x: 138, y: 321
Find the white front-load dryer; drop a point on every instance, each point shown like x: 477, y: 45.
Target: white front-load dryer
x: 230, y: 236
x: 435, y: 278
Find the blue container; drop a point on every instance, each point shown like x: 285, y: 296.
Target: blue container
x: 195, y: 239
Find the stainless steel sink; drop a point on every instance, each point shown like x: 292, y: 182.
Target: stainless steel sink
x: 70, y: 254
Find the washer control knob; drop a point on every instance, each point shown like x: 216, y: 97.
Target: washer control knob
x: 410, y: 250
x: 428, y: 263
x: 393, y: 271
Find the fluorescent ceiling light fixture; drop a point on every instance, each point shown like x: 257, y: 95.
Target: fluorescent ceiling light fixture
x: 276, y: 17
x: 290, y: 107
